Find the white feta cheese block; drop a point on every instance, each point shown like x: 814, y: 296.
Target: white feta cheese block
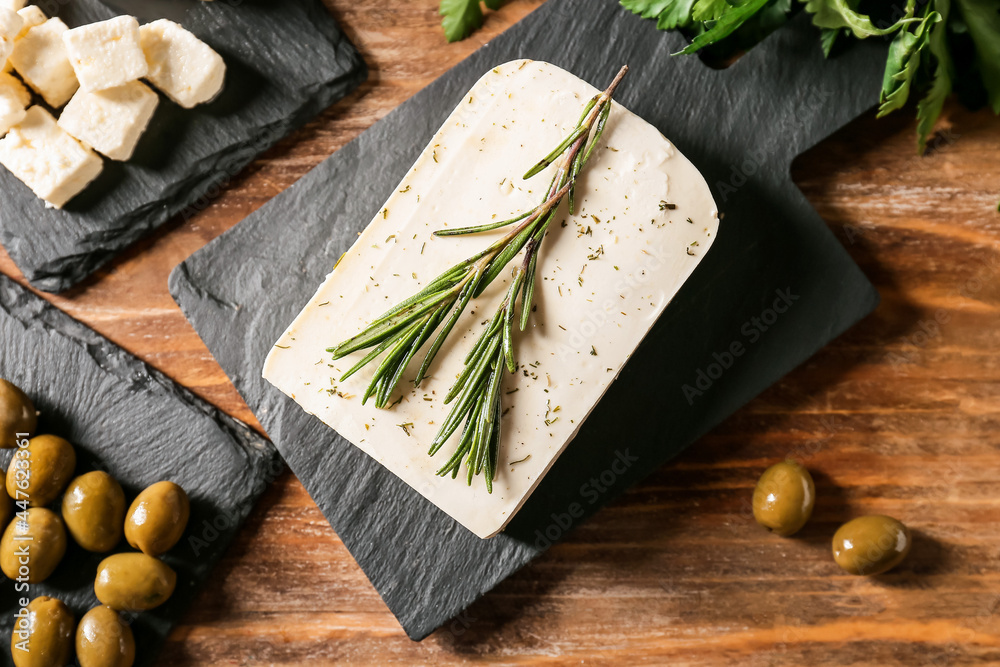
x: 40, y: 58
x: 46, y: 159
x: 186, y: 69
x: 106, y: 54
x: 14, y: 100
x: 604, y: 276
x: 13, y: 5
x: 110, y: 121
x: 10, y: 26
x: 32, y: 16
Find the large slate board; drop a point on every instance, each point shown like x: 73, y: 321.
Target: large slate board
x: 286, y: 61
x: 742, y: 127
x: 139, y: 426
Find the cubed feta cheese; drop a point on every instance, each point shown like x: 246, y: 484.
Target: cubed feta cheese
x: 40, y: 58
x: 110, y: 121
x: 185, y: 68
x: 11, y: 110
x: 14, y: 98
x: 106, y: 54
x: 13, y: 86
x: 12, y: 5
x: 10, y: 26
x: 46, y: 159
x: 32, y: 16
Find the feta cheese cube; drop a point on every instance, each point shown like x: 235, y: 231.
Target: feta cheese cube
x: 46, y: 159
x: 11, y: 110
x: 13, y: 86
x: 14, y: 98
x: 12, y: 5
x: 32, y: 16
x: 40, y: 58
x: 10, y: 26
x: 185, y: 68
x: 106, y: 54
x: 110, y: 121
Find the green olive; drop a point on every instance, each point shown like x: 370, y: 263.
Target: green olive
x: 33, y: 548
x: 784, y: 497
x: 17, y: 415
x: 94, y: 511
x: 134, y: 582
x: 104, y: 640
x: 41, y: 470
x: 157, y: 518
x: 871, y: 544
x: 43, y: 637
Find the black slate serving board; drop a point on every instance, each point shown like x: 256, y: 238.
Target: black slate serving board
x: 741, y: 127
x: 140, y: 427
x: 286, y: 62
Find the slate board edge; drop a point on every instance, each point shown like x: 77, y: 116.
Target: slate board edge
x: 29, y: 311
x: 53, y: 277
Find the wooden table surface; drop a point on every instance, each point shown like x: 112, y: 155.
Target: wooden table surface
x: 899, y: 416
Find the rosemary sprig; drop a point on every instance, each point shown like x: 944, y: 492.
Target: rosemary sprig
x: 401, y: 331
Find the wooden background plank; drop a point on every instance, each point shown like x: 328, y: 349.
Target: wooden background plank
x: 901, y: 416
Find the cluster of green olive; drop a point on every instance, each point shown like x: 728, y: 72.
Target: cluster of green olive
x: 783, y: 501
x: 93, y: 512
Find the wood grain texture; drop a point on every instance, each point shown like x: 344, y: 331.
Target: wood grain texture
x: 899, y: 416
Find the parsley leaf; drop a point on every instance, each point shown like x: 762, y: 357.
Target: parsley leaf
x: 983, y: 20
x: 669, y: 14
x: 841, y: 14
x: 726, y: 25
x: 827, y: 38
x: 903, y: 63
x: 709, y: 10
x: 929, y: 108
x: 460, y: 18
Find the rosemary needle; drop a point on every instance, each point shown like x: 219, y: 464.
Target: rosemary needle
x: 404, y: 329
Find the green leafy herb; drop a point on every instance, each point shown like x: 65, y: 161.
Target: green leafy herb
x: 926, y: 57
x: 399, y: 333
x: 728, y: 22
x: 841, y: 14
x: 669, y: 14
x: 929, y: 108
x: 982, y: 17
x: 460, y: 18
x: 902, y: 65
